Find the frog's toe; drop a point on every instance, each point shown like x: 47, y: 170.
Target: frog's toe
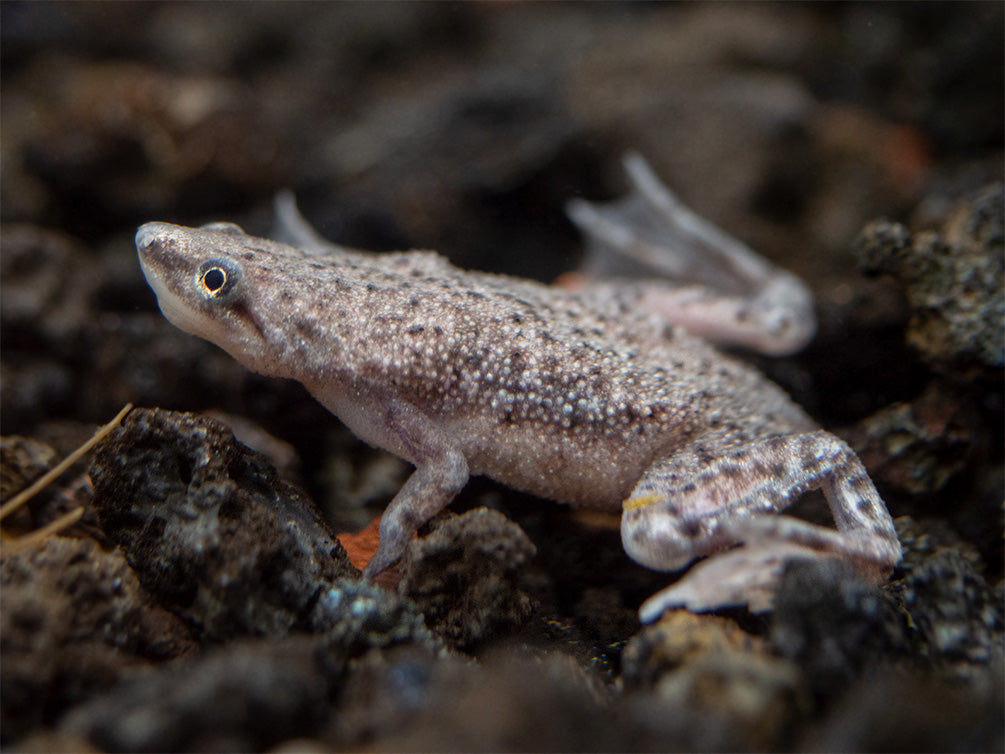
x: 748, y: 575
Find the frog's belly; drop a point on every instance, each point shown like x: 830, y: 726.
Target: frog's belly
x: 582, y: 472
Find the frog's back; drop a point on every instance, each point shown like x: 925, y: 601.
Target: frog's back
x: 553, y: 392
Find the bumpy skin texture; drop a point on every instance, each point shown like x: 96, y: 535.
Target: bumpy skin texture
x: 592, y: 398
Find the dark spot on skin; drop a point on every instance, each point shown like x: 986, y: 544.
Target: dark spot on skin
x: 884, y: 532
x: 438, y: 330
x: 690, y: 528
x: 863, y: 505
x: 861, y: 483
x: 777, y: 470
x: 415, y: 329
x: 371, y: 287
x: 306, y: 328
x: 249, y: 255
x: 413, y: 302
x: 516, y: 319
x: 316, y: 266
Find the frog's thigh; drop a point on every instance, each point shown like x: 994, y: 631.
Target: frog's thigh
x: 702, y: 499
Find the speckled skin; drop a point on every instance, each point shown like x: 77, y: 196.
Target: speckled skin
x: 583, y: 397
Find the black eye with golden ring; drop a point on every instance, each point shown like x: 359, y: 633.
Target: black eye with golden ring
x: 218, y: 280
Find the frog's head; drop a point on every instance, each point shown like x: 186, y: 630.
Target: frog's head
x: 215, y: 282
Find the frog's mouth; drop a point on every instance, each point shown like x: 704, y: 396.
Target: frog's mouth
x: 167, y: 273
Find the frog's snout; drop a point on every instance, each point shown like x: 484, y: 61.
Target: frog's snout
x: 148, y: 234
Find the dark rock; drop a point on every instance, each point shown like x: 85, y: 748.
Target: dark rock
x: 73, y: 619
x: 834, y: 624
x: 954, y: 280
x: 920, y: 447
x: 726, y: 691
x: 957, y: 613
x: 465, y: 576
x: 210, y: 529
x: 512, y: 703
x: 245, y: 697
x: 22, y: 461
x: 359, y: 616
x: 675, y: 639
x: 383, y: 692
x: 913, y: 712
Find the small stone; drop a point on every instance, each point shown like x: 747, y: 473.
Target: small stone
x: 466, y: 576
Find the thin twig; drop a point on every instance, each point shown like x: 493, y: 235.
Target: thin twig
x: 25, y: 495
x: 53, y: 527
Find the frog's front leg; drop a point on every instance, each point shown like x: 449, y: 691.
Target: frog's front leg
x: 433, y: 484
x: 712, y: 284
x: 441, y: 470
x: 441, y: 467
x: 688, y: 506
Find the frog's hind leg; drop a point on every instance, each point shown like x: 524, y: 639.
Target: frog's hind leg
x: 696, y: 503
x: 291, y: 228
x: 712, y: 284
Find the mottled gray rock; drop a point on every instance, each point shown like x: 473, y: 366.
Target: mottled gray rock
x: 954, y: 279
x: 467, y: 575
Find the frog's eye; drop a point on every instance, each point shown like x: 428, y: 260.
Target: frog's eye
x: 218, y: 280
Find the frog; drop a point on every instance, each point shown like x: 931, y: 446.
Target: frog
x: 606, y: 393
